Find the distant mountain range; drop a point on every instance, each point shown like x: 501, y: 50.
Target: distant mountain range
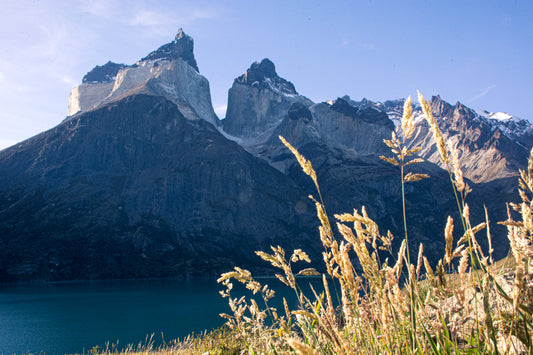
x: 142, y: 179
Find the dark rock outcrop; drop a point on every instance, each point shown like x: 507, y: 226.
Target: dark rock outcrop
x: 367, y: 114
x: 297, y: 111
x: 264, y: 75
x: 103, y: 73
x: 181, y: 47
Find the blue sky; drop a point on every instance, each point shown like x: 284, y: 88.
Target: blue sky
x: 476, y: 52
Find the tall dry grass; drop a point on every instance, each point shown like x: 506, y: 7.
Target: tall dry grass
x: 400, y: 305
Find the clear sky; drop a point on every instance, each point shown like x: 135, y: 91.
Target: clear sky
x: 476, y: 52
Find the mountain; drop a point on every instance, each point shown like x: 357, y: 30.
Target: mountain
x: 143, y: 180
x: 256, y: 102
x: 142, y: 184
x: 490, y: 146
x: 134, y: 189
x: 342, y: 142
x: 170, y: 71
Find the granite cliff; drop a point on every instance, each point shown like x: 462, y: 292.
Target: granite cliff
x: 170, y: 71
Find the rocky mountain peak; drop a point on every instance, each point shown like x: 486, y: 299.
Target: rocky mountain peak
x: 259, y: 100
x: 263, y: 75
x: 461, y: 110
x: 440, y: 107
x: 342, y: 106
x: 170, y: 71
x: 258, y: 71
x: 181, y: 47
x: 457, y: 112
x: 181, y: 35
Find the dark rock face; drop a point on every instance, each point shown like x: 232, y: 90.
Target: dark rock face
x: 258, y: 72
x: 103, y: 73
x: 182, y: 47
x: 298, y: 111
x: 366, y: 114
x: 135, y: 190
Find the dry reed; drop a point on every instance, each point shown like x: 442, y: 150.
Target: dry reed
x: 402, y: 308
x: 477, y: 308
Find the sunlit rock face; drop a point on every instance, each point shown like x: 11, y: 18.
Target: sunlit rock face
x: 87, y: 96
x: 343, y: 126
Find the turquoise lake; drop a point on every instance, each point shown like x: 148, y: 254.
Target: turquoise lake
x: 74, y: 317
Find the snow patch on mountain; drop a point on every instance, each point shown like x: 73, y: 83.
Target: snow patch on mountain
x: 502, y: 116
x: 510, y: 125
x: 281, y: 87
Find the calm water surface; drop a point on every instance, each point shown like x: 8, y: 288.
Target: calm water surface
x: 74, y: 317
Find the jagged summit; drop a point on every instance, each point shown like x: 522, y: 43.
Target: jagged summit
x: 258, y: 72
x: 263, y: 74
x: 170, y: 71
x: 258, y: 101
x: 181, y: 47
x: 489, y: 148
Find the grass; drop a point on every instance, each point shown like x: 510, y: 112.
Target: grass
x: 467, y: 304
x: 219, y: 341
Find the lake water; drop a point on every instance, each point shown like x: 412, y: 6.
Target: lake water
x: 74, y: 317
x: 66, y: 318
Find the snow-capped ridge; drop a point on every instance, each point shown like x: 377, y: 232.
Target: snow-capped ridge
x: 281, y: 87
x: 508, y: 124
x: 500, y: 116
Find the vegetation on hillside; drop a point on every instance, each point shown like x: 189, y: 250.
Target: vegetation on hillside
x: 398, y: 304
x: 387, y: 309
